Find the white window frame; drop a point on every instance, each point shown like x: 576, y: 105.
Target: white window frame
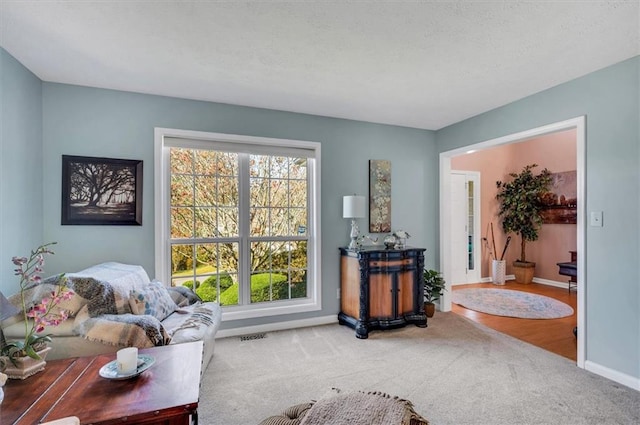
x: 162, y: 189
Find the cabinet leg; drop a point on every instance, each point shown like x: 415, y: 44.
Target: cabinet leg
x: 422, y: 322
x: 420, y: 319
x: 361, y: 330
x: 422, y: 325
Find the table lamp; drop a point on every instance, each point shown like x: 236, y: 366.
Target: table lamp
x: 353, y: 207
x: 6, y: 310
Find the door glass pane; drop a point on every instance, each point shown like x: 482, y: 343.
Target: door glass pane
x: 470, y: 229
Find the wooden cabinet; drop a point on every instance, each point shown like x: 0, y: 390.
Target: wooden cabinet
x: 381, y: 289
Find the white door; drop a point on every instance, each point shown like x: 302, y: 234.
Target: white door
x: 458, y: 228
x: 465, y: 235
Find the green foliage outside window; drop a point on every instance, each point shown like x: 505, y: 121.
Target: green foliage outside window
x: 261, y: 283
x: 207, y: 290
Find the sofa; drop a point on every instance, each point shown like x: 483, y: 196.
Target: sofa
x: 116, y: 305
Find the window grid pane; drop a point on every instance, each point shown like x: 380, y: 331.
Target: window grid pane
x: 210, y: 269
x: 205, y: 205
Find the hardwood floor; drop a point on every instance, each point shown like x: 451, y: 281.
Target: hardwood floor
x: 555, y: 335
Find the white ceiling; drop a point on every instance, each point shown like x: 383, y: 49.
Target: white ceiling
x: 410, y: 63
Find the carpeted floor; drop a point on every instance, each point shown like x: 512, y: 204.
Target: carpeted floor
x: 455, y: 372
x: 510, y: 303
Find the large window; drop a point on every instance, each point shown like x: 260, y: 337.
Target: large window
x: 239, y: 221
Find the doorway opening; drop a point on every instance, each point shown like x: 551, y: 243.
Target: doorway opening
x: 446, y: 261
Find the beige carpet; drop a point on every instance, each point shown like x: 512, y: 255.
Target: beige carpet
x: 455, y: 372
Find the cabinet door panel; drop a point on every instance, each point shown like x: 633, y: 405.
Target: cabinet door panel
x: 350, y: 286
x: 380, y: 296
x: 405, y: 295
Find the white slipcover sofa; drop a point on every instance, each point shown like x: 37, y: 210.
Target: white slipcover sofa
x: 116, y: 305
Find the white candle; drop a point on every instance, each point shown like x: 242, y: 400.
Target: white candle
x: 127, y: 360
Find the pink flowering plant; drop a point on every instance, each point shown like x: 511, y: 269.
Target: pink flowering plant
x: 43, y: 313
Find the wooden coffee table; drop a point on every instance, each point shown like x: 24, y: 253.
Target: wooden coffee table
x: 166, y: 393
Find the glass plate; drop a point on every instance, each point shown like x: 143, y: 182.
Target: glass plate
x: 110, y: 370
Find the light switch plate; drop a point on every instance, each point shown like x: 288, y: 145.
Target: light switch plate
x: 596, y: 219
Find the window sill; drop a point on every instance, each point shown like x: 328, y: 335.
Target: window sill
x: 249, y: 312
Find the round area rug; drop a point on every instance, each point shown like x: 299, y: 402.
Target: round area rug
x: 506, y: 302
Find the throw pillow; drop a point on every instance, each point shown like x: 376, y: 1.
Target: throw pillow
x: 153, y: 299
x: 195, y: 325
x: 183, y: 296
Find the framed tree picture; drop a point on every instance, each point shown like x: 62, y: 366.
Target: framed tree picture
x: 99, y: 191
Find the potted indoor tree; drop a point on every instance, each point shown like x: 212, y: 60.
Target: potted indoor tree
x: 520, y: 211
x: 433, y: 289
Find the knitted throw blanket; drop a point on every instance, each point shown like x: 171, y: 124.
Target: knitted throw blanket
x: 121, y: 330
x: 101, y: 307
x: 359, y: 408
x: 107, y: 317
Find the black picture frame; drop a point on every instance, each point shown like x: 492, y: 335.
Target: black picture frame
x: 101, y: 191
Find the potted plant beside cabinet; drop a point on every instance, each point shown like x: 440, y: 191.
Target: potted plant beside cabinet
x: 433, y: 289
x: 520, y: 211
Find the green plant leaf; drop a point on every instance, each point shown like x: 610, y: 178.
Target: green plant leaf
x: 31, y: 352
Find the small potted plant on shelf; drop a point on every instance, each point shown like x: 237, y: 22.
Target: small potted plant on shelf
x: 434, y: 286
x: 521, y: 212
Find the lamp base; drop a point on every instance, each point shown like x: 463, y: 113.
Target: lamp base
x: 354, y: 234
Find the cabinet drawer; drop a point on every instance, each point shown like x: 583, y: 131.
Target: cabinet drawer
x: 396, y: 263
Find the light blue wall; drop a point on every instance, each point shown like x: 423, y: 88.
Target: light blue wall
x: 609, y: 99
x: 95, y: 122
x: 40, y: 122
x: 20, y: 166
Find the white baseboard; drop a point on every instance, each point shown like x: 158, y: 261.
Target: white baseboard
x: 490, y: 279
x: 563, y: 285
x: 619, y: 377
x: 279, y: 326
